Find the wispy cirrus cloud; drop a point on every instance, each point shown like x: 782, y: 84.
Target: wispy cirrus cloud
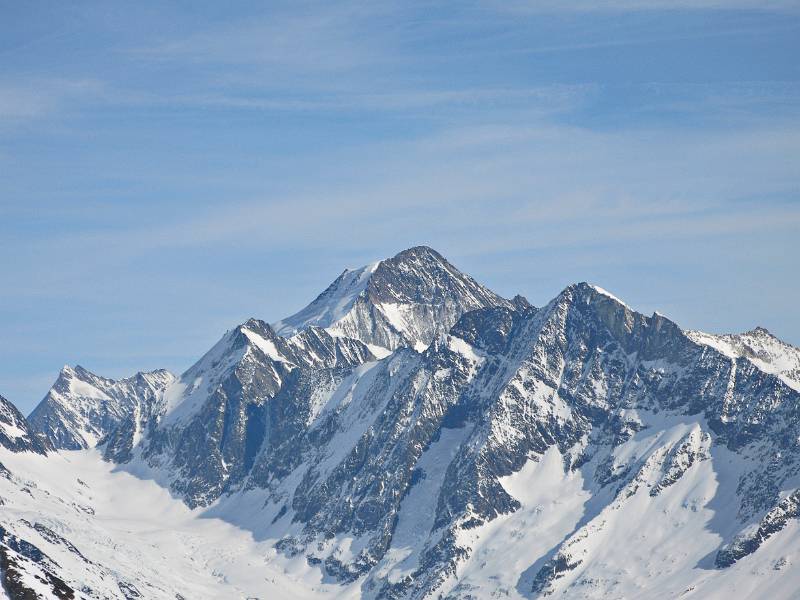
x: 298, y: 37
x: 36, y: 98
x: 496, y: 182
x: 542, y: 100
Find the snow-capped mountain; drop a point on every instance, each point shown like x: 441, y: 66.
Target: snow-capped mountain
x: 406, y: 300
x: 81, y: 407
x: 761, y: 348
x: 213, y: 420
x: 580, y: 449
x: 16, y: 433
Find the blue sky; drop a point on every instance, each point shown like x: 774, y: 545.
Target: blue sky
x: 168, y: 171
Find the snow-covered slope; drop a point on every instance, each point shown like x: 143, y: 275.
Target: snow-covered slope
x: 760, y: 347
x: 581, y: 449
x: 81, y: 407
x: 73, y: 526
x: 406, y: 300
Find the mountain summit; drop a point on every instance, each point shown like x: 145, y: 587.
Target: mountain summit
x: 81, y: 407
x: 16, y: 433
x: 760, y: 347
x: 406, y: 300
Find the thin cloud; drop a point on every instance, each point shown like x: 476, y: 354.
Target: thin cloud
x: 302, y: 37
x: 35, y: 99
x: 506, y: 179
x: 542, y: 98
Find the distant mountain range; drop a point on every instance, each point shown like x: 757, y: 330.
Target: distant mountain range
x: 411, y: 434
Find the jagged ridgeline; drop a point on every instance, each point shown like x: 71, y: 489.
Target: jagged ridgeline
x: 412, y: 434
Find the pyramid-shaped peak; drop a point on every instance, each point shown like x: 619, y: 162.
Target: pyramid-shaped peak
x: 418, y: 253
x: 420, y: 275
x: 759, y: 330
x: 69, y: 373
x: 588, y: 293
x: 82, y: 407
x: 400, y: 301
x: 16, y: 433
x: 257, y: 325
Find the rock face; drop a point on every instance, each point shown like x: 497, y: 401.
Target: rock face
x: 214, y: 420
x: 403, y: 301
x: 411, y: 434
x: 82, y: 408
x: 16, y: 433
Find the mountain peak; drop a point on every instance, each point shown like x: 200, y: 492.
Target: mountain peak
x: 759, y: 330
x: 332, y: 304
x: 420, y: 275
x: 766, y: 351
x: 520, y: 302
x: 79, y: 372
x: 67, y: 372
x: 16, y: 433
x: 253, y: 323
x: 256, y: 326
x: 604, y: 292
x: 587, y: 293
x: 81, y: 407
x: 418, y: 253
x: 406, y: 300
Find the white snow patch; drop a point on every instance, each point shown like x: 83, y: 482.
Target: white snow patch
x: 604, y: 292
x: 379, y: 352
x: 13, y: 431
x: 462, y: 347
x: 718, y: 343
x: 265, y: 345
x: 83, y: 389
x: 395, y: 315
